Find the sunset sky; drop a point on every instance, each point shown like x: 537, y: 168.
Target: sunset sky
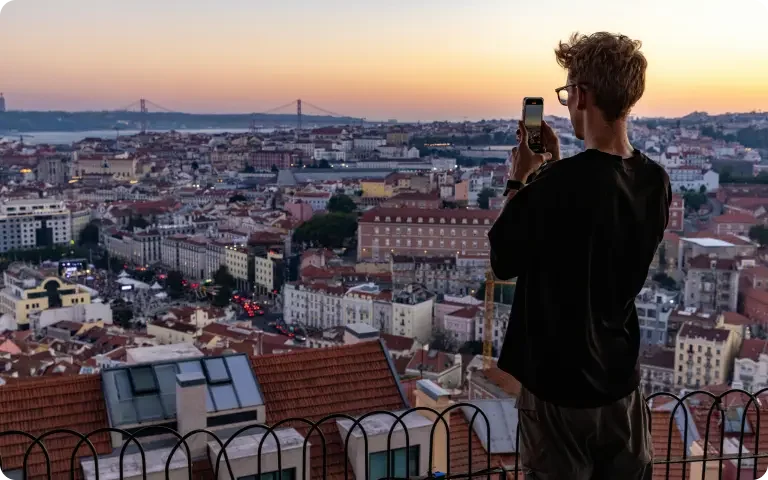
x: 404, y: 59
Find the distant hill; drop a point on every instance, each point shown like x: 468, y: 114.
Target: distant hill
x: 29, y: 121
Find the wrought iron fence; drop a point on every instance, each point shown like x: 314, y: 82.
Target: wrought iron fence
x: 483, y: 466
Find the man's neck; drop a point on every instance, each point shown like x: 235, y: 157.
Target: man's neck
x: 609, y: 138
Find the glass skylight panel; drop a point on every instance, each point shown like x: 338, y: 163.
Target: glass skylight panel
x: 224, y: 397
x: 216, y: 371
x: 244, y: 381
x: 143, y: 380
x: 148, y: 408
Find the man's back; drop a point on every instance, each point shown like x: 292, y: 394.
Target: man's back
x: 591, y: 224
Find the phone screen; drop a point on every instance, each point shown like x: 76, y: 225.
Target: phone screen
x: 533, y: 114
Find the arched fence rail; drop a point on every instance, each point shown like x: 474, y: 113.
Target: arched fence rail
x: 747, y: 462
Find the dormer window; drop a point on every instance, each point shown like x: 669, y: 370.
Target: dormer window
x: 420, y: 220
x: 409, y: 220
x: 398, y: 220
x: 377, y: 219
x: 464, y: 221
x: 453, y: 220
x: 387, y: 219
x: 442, y: 220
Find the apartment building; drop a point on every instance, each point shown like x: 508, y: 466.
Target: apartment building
x: 750, y: 368
x: 239, y: 261
x: 692, y: 179
x: 412, y: 313
x: 657, y: 371
x: 33, y: 223
x: 317, y: 305
x: 653, y: 310
x: 265, y: 160
x: 186, y: 255
x: 735, y: 223
x: 712, y: 284
x: 676, y: 214
x: 54, y: 169
x: 721, y: 246
x: 452, y: 275
x: 384, y: 232
x: 28, y: 290
x: 501, y: 312
x: 317, y: 200
x: 703, y: 356
x: 268, y: 271
x: 79, y: 218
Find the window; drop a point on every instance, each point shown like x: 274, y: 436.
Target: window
x: 377, y: 463
x: 287, y: 474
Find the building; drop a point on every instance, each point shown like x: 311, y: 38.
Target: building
x: 187, y: 255
x: 239, y: 261
x: 750, y: 368
x: 316, y: 305
x: 266, y: 160
x: 29, y: 290
x: 412, y: 313
x: 657, y: 371
x: 735, y: 223
x: 676, y: 214
x: 34, y: 223
x: 169, y: 331
x: 54, y: 169
x: 448, y: 275
x: 413, y: 200
x: 703, y: 356
x: 268, y: 272
x: 712, y: 284
x: 317, y: 200
x: 653, y: 310
x: 384, y: 232
x: 122, y: 167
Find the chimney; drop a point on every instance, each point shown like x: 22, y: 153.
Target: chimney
x: 359, y: 332
x: 429, y: 394
x: 191, y: 411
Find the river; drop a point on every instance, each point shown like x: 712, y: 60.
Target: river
x: 66, y: 138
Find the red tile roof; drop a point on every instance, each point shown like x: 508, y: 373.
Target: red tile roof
x: 752, y: 348
x: 49, y: 403
x: 353, y: 379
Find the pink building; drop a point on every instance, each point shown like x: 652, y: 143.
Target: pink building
x: 300, y: 211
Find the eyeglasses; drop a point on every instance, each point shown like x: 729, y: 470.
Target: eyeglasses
x: 562, y: 93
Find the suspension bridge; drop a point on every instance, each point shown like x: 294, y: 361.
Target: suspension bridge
x: 299, y: 108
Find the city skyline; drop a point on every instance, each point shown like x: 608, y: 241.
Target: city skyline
x: 433, y: 61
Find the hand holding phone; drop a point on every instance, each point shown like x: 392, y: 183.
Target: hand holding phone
x: 533, y: 115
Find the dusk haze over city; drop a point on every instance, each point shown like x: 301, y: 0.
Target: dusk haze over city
x: 425, y: 60
x: 399, y: 240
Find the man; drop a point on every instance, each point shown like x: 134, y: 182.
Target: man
x: 580, y: 238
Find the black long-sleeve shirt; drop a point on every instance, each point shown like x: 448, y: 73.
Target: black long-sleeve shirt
x: 579, y: 238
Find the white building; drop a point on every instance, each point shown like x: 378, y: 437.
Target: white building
x: 315, y: 305
x: 693, y: 178
x: 750, y: 368
x: 34, y: 223
x: 653, y: 310
x: 368, y: 144
x: 412, y: 313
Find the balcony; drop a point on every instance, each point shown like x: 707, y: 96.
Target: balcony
x: 418, y: 443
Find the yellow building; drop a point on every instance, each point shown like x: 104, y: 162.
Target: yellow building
x: 29, y: 290
x: 376, y: 188
x: 120, y: 167
x: 236, y: 261
x: 704, y: 356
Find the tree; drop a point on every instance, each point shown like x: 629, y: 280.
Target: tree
x: 503, y: 293
x: 274, y: 169
x: 249, y: 169
x: 174, y: 285
x: 323, y: 164
x: 89, y: 235
x: 341, y: 203
x: 442, y: 340
x: 123, y: 317
x: 759, y: 233
x: 665, y: 281
x: 223, y: 278
x: 195, y: 166
x: 222, y: 297
x: 137, y: 221
x: 695, y: 200
x: 238, y: 197
x: 484, y: 198
x: 475, y: 347
x: 662, y: 256
x: 703, y: 189
x: 331, y: 230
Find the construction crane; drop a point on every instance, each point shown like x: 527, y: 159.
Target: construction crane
x: 490, y: 289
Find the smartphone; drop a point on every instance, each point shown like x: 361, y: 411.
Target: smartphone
x: 533, y: 115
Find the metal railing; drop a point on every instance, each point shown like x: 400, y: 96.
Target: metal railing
x: 484, y: 465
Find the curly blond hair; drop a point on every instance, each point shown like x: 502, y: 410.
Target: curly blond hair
x: 608, y: 65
